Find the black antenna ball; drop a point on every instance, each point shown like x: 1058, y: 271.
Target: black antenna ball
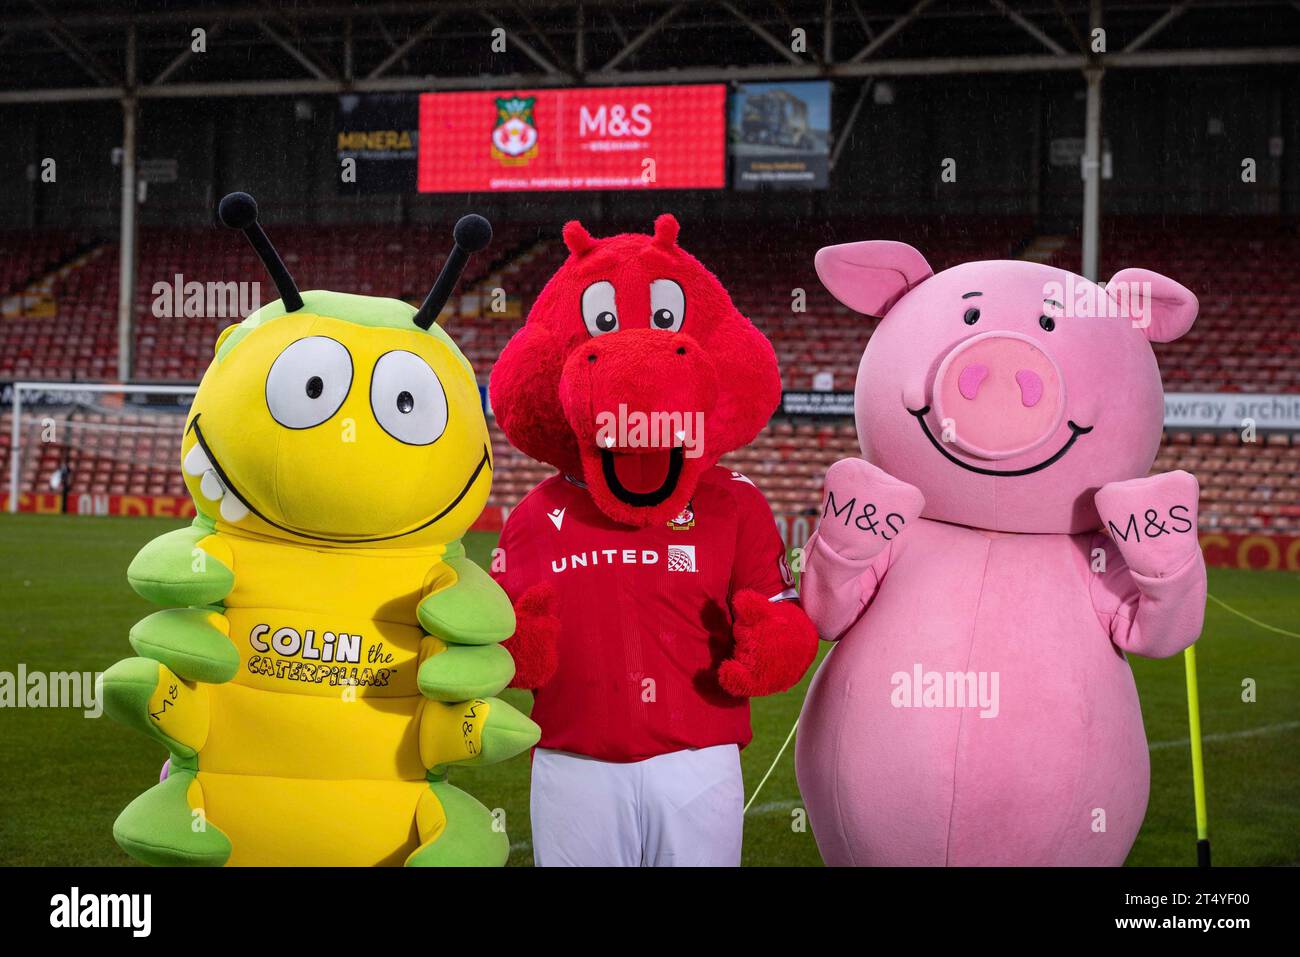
x: 472, y: 232
x: 238, y: 211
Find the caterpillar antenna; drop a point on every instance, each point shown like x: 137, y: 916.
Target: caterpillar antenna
x: 239, y: 211
x: 471, y: 233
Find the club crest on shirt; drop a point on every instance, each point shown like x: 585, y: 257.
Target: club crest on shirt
x: 685, y: 518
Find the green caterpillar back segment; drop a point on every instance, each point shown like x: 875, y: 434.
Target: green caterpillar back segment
x: 325, y: 650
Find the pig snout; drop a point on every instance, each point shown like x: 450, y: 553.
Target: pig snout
x: 998, y: 395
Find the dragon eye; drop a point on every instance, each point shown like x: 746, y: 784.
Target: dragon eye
x: 599, y: 311
x: 407, y: 399
x: 667, y: 305
x: 308, y: 382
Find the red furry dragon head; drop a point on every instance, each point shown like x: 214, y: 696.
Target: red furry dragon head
x: 635, y: 372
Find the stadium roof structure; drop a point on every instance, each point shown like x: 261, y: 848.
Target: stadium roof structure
x: 76, y: 50
x: 79, y: 50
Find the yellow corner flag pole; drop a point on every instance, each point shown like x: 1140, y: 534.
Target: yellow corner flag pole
x: 1198, y: 760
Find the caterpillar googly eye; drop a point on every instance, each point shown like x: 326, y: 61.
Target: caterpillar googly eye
x: 407, y: 398
x: 308, y: 382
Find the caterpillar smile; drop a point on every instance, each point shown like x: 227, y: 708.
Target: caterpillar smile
x: 215, y: 485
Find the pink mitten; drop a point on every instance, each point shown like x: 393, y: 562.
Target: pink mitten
x: 1152, y: 521
x: 864, y: 509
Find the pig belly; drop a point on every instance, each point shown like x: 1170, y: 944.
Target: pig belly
x: 1059, y: 776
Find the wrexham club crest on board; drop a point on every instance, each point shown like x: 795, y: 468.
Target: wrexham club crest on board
x: 514, y: 138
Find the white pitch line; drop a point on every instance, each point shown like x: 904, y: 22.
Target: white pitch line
x: 784, y: 807
x: 1254, y: 621
x: 1228, y: 735
x: 772, y: 807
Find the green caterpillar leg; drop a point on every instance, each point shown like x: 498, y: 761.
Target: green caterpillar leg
x: 161, y: 828
x: 178, y: 569
x: 148, y: 696
x: 193, y: 642
x: 473, y: 733
x: 461, y: 672
x: 456, y: 831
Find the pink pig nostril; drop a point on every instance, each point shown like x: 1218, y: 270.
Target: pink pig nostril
x: 1031, y: 387
x: 968, y: 383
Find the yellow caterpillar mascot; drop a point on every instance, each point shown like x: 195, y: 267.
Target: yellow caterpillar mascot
x: 326, y: 650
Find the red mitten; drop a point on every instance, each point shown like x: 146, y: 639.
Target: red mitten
x: 535, y: 643
x: 775, y: 644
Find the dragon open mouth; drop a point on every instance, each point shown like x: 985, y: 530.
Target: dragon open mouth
x: 228, y: 489
x: 1075, y: 432
x: 644, y: 470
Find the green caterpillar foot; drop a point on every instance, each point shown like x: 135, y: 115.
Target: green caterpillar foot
x: 473, y: 733
x: 192, y: 642
x: 162, y: 829
x: 457, y: 831
x: 143, y: 694
x: 462, y: 672
x: 174, y: 570
x: 472, y: 610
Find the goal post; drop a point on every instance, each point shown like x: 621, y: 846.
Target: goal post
x: 66, y: 436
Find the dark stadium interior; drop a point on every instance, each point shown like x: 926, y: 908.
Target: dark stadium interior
x: 1173, y: 201
x: 1090, y: 135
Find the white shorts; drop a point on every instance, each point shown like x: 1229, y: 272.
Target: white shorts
x: 682, y: 809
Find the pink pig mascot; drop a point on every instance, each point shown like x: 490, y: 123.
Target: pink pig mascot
x: 988, y: 566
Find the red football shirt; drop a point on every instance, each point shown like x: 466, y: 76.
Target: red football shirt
x: 645, y: 613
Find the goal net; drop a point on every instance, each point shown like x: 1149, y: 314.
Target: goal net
x: 96, y: 449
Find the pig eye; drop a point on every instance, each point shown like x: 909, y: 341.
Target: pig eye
x: 972, y: 316
x: 667, y: 305
x: 1047, y: 322
x: 599, y: 311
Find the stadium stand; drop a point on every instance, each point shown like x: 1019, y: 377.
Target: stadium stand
x: 1245, y: 340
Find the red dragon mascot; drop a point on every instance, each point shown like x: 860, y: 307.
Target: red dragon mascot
x: 650, y: 585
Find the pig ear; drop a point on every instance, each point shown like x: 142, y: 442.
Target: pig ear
x: 870, y: 277
x: 1160, y: 307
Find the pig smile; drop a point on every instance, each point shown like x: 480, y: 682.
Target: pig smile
x: 1075, y: 432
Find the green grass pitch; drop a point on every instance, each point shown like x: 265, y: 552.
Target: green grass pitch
x: 65, y: 606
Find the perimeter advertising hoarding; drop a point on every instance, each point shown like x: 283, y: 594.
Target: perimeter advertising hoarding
x: 622, y: 137
x: 1223, y: 410
x: 780, y: 135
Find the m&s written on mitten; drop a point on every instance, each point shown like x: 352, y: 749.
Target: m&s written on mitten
x: 1152, y: 521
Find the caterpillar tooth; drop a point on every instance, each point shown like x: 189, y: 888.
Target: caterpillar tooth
x: 196, y: 461
x: 232, y: 509
x: 211, y: 486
